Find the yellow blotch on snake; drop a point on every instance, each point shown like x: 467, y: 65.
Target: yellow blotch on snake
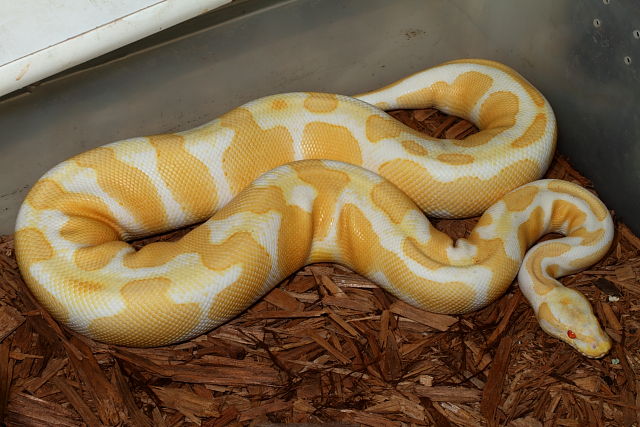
x: 567, y: 213
x: 195, y: 191
x: 458, y: 98
x: 456, y: 159
x: 598, y: 209
x: 531, y: 230
x: 534, y: 262
x: 390, y: 202
x: 279, y: 104
x: 498, y: 111
x: 47, y: 194
x: 413, y: 147
x: 361, y: 247
x: 96, y: 257
x: 477, y: 139
x: 326, y: 140
x: 431, y: 192
x: 324, y: 204
x: 519, y: 200
x: 533, y: 133
x: 535, y: 95
x: 249, y: 137
x: 380, y: 127
x: 321, y: 103
x: 139, y: 325
x: 32, y: 247
x: 114, y: 177
x: 544, y: 313
x: 436, y: 248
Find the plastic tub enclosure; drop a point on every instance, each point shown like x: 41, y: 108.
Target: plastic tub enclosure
x: 584, y: 56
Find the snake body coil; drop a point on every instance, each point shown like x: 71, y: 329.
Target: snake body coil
x: 269, y: 211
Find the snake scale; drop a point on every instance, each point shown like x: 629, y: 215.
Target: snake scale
x: 299, y: 178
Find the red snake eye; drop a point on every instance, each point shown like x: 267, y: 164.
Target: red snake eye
x: 571, y: 334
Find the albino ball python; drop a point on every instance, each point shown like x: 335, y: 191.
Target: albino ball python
x: 72, y: 227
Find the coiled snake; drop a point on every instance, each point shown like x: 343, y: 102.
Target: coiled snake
x: 270, y: 209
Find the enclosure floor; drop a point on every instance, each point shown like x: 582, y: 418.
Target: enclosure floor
x: 330, y: 346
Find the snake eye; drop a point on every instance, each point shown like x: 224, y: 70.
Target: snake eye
x: 571, y: 334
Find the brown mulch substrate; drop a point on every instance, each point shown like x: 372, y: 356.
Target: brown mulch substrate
x: 328, y: 346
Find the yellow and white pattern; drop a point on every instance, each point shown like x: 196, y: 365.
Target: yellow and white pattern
x: 361, y: 207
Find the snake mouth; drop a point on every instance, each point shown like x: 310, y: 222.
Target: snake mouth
x: 594, y: 356
x: 597, y: 352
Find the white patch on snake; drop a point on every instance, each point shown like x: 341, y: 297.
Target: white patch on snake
x: 394, y: 238
x: 204, y: 287
x: 50, y: 223
x: 85, y: 181
x: 146, y: 162
x: 479, y: 277
x: 390, y: 95
x: 27, y: 217
x: 302, y: 196
x: 462, y: 252
x: 416, y: 226
x: 264, y: 229
x: 81, y: 311
x: 486, y: 154
x: 489, y: 231
x: 268, y: 118
x: 563, y: 261
x: 208, y: 143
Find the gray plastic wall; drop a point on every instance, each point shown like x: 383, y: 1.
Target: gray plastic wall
x: 583, y: 55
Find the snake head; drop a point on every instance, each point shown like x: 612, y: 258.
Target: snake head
x: 567, y: 315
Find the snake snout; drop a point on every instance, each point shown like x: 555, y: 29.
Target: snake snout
x: 593, y: 348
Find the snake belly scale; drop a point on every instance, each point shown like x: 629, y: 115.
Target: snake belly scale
x: 361, y: 206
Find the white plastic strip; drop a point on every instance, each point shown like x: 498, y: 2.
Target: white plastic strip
x: 42, y: 37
